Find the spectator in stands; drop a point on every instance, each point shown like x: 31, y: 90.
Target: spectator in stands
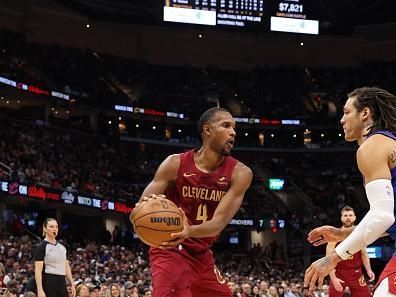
x: 256, y: 292
x: 82, y: 290
x: 30, y: 285
x: 307, y: 293
x: 147, y: 293
x: 246, y: 290
x: 293, y: 291
x: 281, y: 290
x: 94, y: 290
x: 233, y: 289
x: 264, y: 287
x: 12, y: 288
x: 128, y: 288
x: 272, y: 292
x: 114, y: 290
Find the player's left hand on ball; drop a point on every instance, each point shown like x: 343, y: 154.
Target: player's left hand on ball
x: 150, y: 197
x: 179, y: 236
x: 154, y: 196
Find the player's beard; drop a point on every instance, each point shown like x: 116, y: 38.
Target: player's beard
x: 348, y: 224
x: 224, y: 152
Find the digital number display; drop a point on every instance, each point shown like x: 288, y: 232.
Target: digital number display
x: 266, y: 223
x: 291, y: 9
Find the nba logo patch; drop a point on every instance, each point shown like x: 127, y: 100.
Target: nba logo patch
x: 388, y: 190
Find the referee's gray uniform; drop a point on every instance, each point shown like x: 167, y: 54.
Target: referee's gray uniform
x: 54, y: 268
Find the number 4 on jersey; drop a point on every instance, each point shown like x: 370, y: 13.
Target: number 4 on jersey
x: 202, y: 213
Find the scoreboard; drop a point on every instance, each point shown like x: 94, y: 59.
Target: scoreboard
x: 277, y: 15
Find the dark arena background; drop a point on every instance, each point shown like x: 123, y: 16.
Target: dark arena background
x: 94, y: 94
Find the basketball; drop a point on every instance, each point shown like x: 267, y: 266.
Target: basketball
x: 155, y: 220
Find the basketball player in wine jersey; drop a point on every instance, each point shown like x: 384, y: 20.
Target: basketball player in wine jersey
x: 370, y: 119
x: 209, y: 186
x: 348, y: 273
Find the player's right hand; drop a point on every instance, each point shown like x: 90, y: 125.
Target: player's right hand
x: 337, y: 283
x: 178, y: 237
x: 325, y: 234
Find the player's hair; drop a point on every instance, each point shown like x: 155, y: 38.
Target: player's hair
x: 207, y: 116
x: 382, y: 105
x: 45, y: 223
x: 347, y: 208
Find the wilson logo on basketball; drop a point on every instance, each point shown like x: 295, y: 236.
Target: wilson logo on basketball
x: 167, y: 221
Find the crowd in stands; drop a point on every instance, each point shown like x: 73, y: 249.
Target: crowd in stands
x: 93, y: 165
x: 272, y: 92
x: 330, y: 180
x: 100, y: 267
x: 107, y: 168
x: 72, y: 161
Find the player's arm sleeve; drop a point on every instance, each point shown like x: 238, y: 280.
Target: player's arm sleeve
x: 372, y: 159
x: 378, y: 219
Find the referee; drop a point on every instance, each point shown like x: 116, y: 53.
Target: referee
x: 50, y: 264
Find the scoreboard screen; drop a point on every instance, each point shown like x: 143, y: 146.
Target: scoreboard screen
x: 293, y: 16
x: 277, y: 15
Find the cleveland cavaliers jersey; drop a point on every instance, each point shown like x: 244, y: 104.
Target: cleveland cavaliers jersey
x: 353, y: 262
x: 392, y: 229
x: 199, y: 193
